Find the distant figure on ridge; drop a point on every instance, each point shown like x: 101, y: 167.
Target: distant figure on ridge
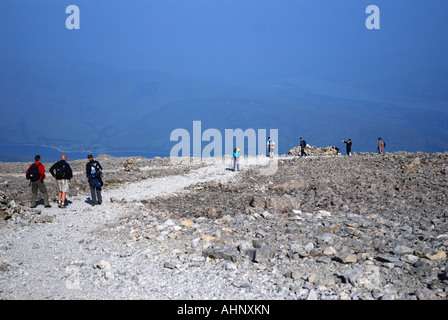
x: 62, y: 172
x: 349, y: 146
x: 270, y: 146
x: 381, y: 146
x: 236, y: 159
x: 94, y: 172
x: 36, y: 175
x: 302, y: 147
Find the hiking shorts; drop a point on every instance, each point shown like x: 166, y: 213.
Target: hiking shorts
x: 63, y: 185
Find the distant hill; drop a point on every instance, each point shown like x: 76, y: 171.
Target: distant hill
x: 101, y: 109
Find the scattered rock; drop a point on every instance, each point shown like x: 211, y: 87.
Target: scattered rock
x: 322, y: 227
x: 436, y: 255
x: 311, y: 150
x: 218, y: 253
x: 345, y: 257
x: 103, y: 265
x: 4, y: 267
x: 169, y: 265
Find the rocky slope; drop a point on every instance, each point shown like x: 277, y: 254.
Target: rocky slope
x: 321, y: 227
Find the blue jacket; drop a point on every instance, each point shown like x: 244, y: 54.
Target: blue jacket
x: 236, y: 154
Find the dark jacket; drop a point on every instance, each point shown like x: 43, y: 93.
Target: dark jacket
x: 349, y: 145
x: 95, y: 180
x: 68, y: 173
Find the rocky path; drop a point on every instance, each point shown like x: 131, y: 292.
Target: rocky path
x: 70, y: 254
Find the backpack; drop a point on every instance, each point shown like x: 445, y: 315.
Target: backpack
x: 304, y: 144
x: 60, y: 171
x: 33, y: 173
x: 384, y: 144
x: 95, y: 170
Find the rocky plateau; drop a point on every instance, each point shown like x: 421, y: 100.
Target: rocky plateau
x: 321, y: 227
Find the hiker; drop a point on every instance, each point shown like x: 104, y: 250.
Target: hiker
x: 349, y: 146
x: 62, y: 172
x: 270, y: 146
x: 36, y: 175
x: 302, y: 147
x: 381, y: 145
x: 236, y: 159
x: 94, y: 172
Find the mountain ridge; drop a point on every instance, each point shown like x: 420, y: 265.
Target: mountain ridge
x: 91, y: 106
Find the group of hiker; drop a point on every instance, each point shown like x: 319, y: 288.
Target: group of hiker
x: 380, y: 147
x: 63, y: 174
x: 270, y: 146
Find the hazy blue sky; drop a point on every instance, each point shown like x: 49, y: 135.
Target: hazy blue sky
x: 245, y: 41
x: 290, y: 50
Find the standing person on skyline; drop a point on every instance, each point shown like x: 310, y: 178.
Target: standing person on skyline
x: 381, y: 145
x: 36, y: 175
x: 236, y: 159
x: 348, y: 147
x: 270, y: 146
x: 94, y: 172
x: 302, y: 147
x: 62, y: 172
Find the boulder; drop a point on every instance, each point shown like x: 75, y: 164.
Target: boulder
x: 314, y: 151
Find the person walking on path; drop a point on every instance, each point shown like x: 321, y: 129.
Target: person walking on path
x: 349, y: 146
x: 36, y: 175
x: 381, y: 146
x: 302, y: 147
x: 270, y: 146
x: 236, y: 159
x: 94, y: 172
x: 63, y: 173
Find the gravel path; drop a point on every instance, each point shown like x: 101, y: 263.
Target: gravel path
x: 74, y: 253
